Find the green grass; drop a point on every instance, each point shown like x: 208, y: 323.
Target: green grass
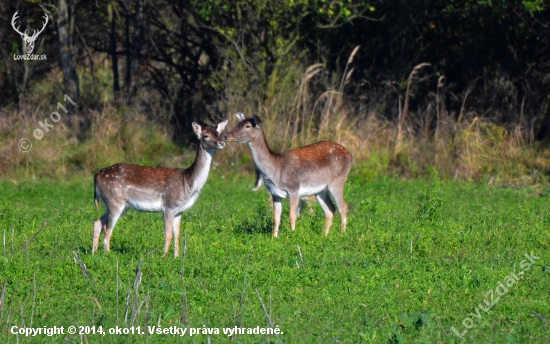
x: 362, y: 286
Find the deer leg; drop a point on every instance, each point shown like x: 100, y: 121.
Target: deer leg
x: 176, y: 233
x: 324, y: 201
x: 114, y: 214
x: 168, y: 227
x: 277, y: 210
x: 99, y: 227
x: 337, y: 192
x: 258, y: 183
x: 294, y: 204
x: 301, y: 203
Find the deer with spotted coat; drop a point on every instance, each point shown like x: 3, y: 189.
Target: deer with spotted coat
x: 155, y: 189
x: 319, y: 169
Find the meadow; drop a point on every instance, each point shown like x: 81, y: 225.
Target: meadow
x: 420, y: 261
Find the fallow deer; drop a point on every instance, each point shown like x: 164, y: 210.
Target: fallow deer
x: 155, y: 189
x: 319, y: 169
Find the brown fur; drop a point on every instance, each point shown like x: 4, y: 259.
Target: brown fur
x: 319, y: 169
x: 156, y: 189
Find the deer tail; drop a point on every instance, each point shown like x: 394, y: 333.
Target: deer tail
x: 96, y: 194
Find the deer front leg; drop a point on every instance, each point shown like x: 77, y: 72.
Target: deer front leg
x: 168, y: 227
x: 294, y: 203
x: 277, y: 210
x: 176, y: 232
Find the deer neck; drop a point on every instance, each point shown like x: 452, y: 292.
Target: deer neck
x: 197, y: 173
x: 264, y: 158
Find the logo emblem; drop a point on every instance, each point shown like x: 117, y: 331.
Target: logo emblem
x: 29, y: 40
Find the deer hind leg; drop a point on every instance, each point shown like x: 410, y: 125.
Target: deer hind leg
x: 294, y: 206
x: 168, y: 228
x: 324, y: 201
x: 99, y: 227
x: 176, y: 232
x: 115, y: 212
x: 277, y: 210
x: 301, y: 203
x: 337, y: 192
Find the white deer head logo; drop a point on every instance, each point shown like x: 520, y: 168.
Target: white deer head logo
x: 29, y: 40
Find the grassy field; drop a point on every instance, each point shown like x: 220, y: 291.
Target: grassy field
x: 418, y: 259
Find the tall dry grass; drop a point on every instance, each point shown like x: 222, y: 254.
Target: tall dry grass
x: 299, y: 106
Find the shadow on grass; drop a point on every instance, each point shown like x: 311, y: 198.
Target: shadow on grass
x: 255, y: 220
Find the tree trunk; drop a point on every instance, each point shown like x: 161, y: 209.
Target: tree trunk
x: 70, y: 77
x: 127, y: 45
x: 116, y: 85
x: 136, y: 48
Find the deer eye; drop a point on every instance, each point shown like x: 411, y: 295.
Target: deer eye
x: 248, y: 126
x: 206, y: 137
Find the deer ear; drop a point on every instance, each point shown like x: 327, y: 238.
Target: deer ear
x: 221, y: 127
x: 257, y: 121
x: 197, y: 129
x: 239, y: 116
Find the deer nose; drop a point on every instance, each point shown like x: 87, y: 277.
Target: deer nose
x: 222, y: 143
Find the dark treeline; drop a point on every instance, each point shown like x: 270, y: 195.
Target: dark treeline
x: 489, y: 56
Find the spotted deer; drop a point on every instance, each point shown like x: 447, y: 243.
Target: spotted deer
x: 155, y: 189
x: 320, y: 169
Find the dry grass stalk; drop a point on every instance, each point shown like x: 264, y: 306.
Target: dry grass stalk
x: 404, y: 114
x: 11, y: 302
x: 117, y: 282
x: 184, y: 310
x: 267, y: 314
x: 182, y: 271
x: 345, y: 79
x: 135, y: 287
x: 438, y: 105
x: 310, y: 73
x: 301, y: 101
x: 325, y: 112
x: 440, y: 85
x: 27, y: 242
x: 127, y: 305
x: 82, y: 268
x: 301, y: 257
x: 2, y: 302
x: 26, y: 252
x: 33, y: 296
x: 461, y: 114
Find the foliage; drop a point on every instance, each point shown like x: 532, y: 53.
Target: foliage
x: 494, y: 47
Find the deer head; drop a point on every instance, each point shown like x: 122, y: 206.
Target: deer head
x: 29, y: 40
